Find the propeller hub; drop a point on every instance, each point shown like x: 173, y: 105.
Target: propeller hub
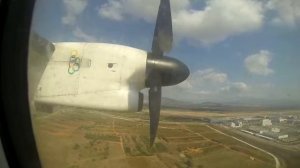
x: 171, y: 70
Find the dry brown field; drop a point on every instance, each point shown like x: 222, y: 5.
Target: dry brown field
x: 79, y: 138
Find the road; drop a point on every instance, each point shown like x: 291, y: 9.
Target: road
x: 277, y: 163
x: 287, y: 158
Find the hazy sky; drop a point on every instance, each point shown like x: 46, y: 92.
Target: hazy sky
x: 238, y: 51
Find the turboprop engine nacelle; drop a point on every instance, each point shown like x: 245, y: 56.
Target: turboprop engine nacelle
x: 94, y: 75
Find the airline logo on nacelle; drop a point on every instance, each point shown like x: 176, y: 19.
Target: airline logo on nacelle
x: 74, y: 63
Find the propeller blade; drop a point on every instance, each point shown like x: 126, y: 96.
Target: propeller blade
x: 41, y: 44
x: 154, y: 104
x: 163, y: 33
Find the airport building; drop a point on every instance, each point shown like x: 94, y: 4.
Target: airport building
x: 275, y: 135
x: 282, y: 120
x: 236, y: 124
x: 275, y: 129
x: 266, y: 122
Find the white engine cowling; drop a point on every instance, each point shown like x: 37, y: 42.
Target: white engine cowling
x: 106, y: 77
x: 121, y: 100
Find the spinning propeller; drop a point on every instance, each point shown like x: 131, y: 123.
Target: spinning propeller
x: 162, y: 70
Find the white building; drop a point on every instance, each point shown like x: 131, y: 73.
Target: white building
x: 283, y: 136
x: 281, y: 120
x: 266, y: 122
x: 236, y: 124
x: 275, y: 130
x: 275, y: 135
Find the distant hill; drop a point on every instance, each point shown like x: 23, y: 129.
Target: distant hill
x: 215, y: 106
x: 168, y: 102
x: 210, y: 106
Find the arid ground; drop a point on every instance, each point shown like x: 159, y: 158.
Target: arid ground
x: 79, y: 138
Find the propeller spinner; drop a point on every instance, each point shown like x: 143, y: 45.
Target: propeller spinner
x: 162, y: 70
